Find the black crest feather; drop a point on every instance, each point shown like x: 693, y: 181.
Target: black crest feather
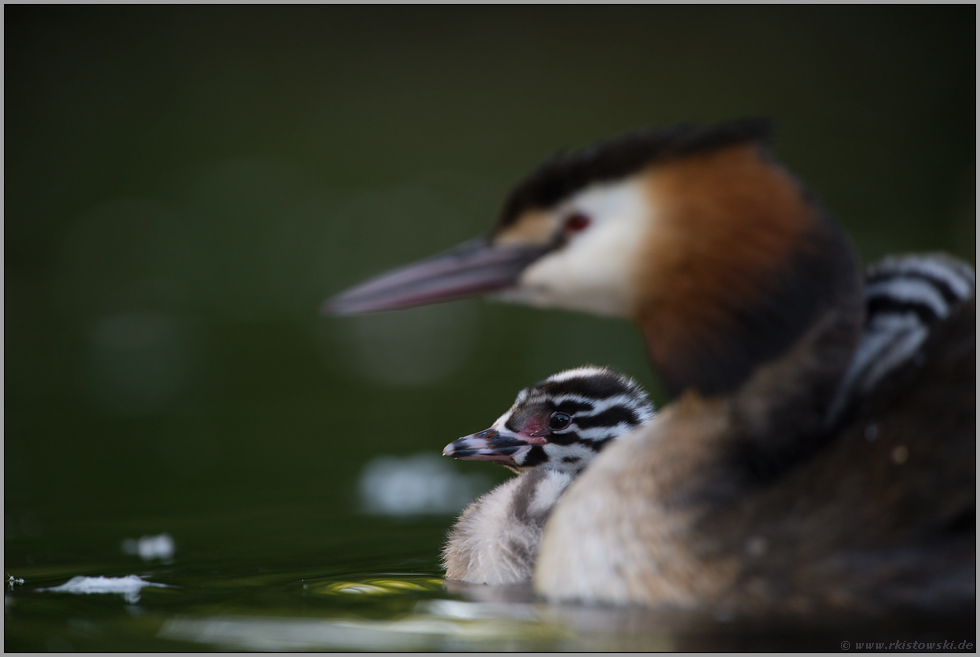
x: 568, y: 172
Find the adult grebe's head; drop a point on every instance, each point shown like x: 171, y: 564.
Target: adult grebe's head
x: 696, y: 234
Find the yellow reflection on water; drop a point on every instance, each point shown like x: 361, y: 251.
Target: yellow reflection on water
x: 378, y: 586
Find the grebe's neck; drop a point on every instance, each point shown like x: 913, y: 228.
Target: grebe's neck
x: 742, y: 265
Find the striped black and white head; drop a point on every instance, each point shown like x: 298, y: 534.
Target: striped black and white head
x: 561, y: 422
x: 905, y: 297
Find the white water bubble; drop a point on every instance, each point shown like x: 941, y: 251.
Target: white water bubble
x: 419, y: 484
x: 148, y: 548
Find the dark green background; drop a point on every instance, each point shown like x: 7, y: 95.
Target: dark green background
x: 185, y: 185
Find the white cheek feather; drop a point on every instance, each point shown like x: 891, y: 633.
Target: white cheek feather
x: 548, y: 491
x: 594, y: 271
x: 501, y: 423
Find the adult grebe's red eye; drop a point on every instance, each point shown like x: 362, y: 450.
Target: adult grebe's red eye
x: 576, y: 222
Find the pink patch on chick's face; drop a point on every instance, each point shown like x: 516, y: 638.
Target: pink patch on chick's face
x: 532, y: 427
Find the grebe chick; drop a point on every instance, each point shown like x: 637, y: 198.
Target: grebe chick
x: 550, y: 434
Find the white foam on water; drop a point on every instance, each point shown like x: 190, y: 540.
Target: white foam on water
x: 128, y: 587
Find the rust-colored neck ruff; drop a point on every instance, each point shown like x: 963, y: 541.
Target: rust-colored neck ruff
x: 741, y: 264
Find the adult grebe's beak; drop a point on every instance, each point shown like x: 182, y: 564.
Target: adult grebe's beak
x: 473, y: 268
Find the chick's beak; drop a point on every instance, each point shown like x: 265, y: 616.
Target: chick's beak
x: 488, y: 445
x: 470, y: 269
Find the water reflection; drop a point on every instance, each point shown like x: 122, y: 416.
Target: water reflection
x: 408, y: 611
x: 419, y: 484
x: 440, y: 625
x: 307, y: 634
x: 462, y: 610
x: 491, y: 618
x: 432, y: 624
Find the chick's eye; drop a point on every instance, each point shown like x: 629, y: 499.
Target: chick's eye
x: 576, y: 222
x: 559, y: 421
